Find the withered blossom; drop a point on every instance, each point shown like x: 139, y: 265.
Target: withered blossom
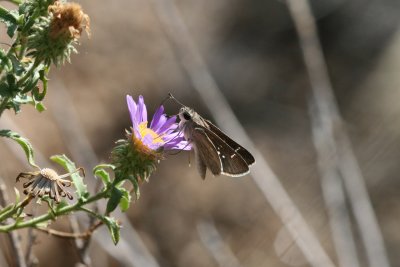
x: 55, y: 36
x: 68, y: 20
x: 47, y: 182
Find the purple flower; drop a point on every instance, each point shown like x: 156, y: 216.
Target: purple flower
x: 162, y: 132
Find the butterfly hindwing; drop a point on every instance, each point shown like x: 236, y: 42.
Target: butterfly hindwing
x: 246, y: 155
x: 232, y: 162
x: 206, y: 152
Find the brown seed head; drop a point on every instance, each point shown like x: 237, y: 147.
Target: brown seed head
x: 49, y: 174
x: 45, y: 182
x: 68, y: 20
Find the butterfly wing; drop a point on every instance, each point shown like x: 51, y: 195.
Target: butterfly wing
x: 246, y: 155
x: 232, y: 162
x: 206, y: 153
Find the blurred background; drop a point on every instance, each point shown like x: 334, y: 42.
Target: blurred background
x: 252, y: 50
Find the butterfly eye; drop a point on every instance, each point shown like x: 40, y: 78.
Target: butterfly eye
x: 187, y: 116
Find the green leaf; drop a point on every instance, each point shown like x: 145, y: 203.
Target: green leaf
x: 30, y: 85
x: 44, y: 79
x: 23, y: 99
x: 4, y: 91
x: 12, y: 82
x: 99, y: 171
x: 18, y: 67
x: 113, y: 227
x: 125, y: 200
x: 81, y: 188
x: 4, y: 60
x: 16, y: 106
x: 135, y: 186
x: 114, y: 200
x: 40, y: 107
x: 103, y: 166
x: 23, y: 142
x: 8, y: 16
x: 11, y: 29
x: 11, y: 19
x: 103, y: 175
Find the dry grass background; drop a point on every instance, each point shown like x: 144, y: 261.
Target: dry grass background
x: 252, y: 50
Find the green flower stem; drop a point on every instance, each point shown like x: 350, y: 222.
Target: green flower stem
x: 17, y: 2
x: 51, y: 215
x: 12, y: 209
x: 91, y: 212
x: 5, y: 211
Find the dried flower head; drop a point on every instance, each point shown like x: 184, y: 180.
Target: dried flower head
x: 53, y: 37
x: 46, y: 182
x: 68, y: 21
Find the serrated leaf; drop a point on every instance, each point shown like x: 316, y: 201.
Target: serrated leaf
x: 23, y: 99
x: 7, y: 16
x: 4, y: 91
x: 23, y: 142
x: 115, y: 197
x: 16, y: 64
x: 125, y: 200
x: 4, y: 60
x: 113, y: 227
x: 11, y: 81
x: 135, y: 186
x: 16, y: 106
x: 40, y: 96
x: 11, y: 30
x: 103, y: 175
x: 66, y: 163
x: 30, y: 85
x: 103, y: 166
x: 99, y: 171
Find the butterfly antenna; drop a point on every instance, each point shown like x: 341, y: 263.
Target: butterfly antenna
x: 166, y: 99
x: 170, y: 96
x: 177, y: 135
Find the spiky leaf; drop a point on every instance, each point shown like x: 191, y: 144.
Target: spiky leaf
x: 23, y: 142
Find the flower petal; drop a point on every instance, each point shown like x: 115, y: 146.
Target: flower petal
x: 132, y: 109
x: 141, y: 115
x: 167, y: 125
x: 157, y: 116
x: 160, y: 123
x: 178, y: 144
x: 147, y: 140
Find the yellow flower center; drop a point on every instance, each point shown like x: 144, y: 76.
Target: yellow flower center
x: 143, y: 130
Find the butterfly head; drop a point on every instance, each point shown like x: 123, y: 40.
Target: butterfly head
x: 186, y: 114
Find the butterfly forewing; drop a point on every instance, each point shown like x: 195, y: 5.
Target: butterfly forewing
x: 246, y: 155
x: 232, y: 162
x: 205, y: 152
